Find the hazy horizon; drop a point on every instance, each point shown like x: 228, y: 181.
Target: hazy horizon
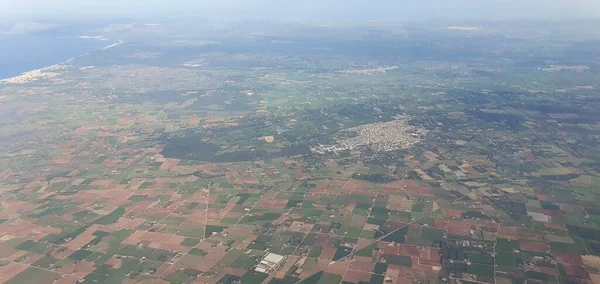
x: 306, y: 11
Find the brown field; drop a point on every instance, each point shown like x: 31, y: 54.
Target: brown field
x: 408, y: 187
x: 276, y: 203
x: 354, y: 276
x: 365, y: 265
x: 417, y: 265
x: 299, y: 172
x: 170, y: 246
x: 10, y: 270
x: 67, y: 279
x: 576, y: 271
x: 533, y: 246
x: 570, y: 207
x: 559, y: 238
x: 453, y: 213
x: 408, y: 250
x: 115, y: 262
x: 399, y: 203
x: 79, y: 269
x: 328, y: 253
x: 141, y: 236
x: 567, y: 258
x: 439, y: 223
x: 338, y: 267
x: 81, y: 240
x: 389, y: 248
x: 468, y: 169
x: 190, y: 260
x: 327, y: 188
x: 214, y: 255
x: 60, y: 254
x: 127, y: 223
x: 15, y: 255
x: 512, y: 233
x: 12, y: 206
x: 406, y: 274
x: 547, y: 270
x: 430, y: 256
x: 488, y: 225
x: 348, y: 208
x: 458, y: 228
x: 26, y: 229
x: 556, y: 226
x: 363, y: 243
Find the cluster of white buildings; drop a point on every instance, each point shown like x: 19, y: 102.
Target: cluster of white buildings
x: 380, y: 136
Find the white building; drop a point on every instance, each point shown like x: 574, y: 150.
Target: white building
x: 270, y: 262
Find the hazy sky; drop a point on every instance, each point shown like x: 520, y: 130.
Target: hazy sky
x: 303, y: 10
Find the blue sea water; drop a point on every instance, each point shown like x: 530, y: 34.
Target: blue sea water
x: 21, y: 53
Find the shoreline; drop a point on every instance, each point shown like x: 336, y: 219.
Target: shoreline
x: 88, y: 53
x: 4, y: 79
x: 113, y: 45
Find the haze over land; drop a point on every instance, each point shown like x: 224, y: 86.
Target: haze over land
x: 306, y: 11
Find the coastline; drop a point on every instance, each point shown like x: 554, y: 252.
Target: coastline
x: 88, y: 53
x: 45, y: 64
x: 113, y: 45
